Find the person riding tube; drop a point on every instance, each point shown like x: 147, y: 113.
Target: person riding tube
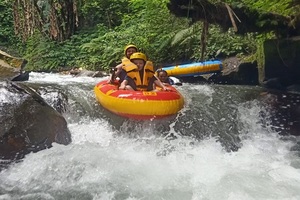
x: 140, y: 74
x: 119, y: 71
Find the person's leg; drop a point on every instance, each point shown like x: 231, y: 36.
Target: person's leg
x: 128, y: 87
x: 151, y: 84
x: 131, y: 84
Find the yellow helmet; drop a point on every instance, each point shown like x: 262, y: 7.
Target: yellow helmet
x: 138, y: 55
x: 129, y: 46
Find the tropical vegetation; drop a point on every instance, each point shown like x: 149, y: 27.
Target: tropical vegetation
x: 60, y: 34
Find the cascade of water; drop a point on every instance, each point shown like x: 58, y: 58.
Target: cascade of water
x: 222, y: 145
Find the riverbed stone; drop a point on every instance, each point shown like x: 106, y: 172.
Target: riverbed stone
x: 281, y: 63
x: 236, y: 71
x: 12, y: 67
x: 29, y: 124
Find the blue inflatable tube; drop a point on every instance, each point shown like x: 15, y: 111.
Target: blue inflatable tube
x: 194, y: 69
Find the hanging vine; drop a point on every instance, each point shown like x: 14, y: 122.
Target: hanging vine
x: 56, y: 19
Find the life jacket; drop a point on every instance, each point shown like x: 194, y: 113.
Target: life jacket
x: 122, y: 74
x: 133, y: 72
x: 126, y: 63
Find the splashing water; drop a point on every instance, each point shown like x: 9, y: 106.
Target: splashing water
x: 115, y: 158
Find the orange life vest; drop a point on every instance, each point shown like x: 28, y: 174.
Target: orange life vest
x: 133, y: 72
x: 126, y: 63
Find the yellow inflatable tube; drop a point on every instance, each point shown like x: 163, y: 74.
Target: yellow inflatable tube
x: 138, y: 104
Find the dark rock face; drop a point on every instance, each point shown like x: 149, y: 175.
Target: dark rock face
x: 54, y: 97
x: 219, y: 13
x: 23, y: 76
x: 29, y: 124
x: 285, y: 111
x: 281, y: 70
x: 282, y: 63
x: 90, y: 73
x: 236, y: 72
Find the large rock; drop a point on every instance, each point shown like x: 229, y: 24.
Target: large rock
x: 83, y: 72
x: 28, y: 123
x: 235, y: 71
x: 281, y: 63
x: 12, y: 67
x: 284, y: 109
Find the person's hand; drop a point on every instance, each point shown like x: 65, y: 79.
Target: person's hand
x: 122, y: 88
x: 166, y: 89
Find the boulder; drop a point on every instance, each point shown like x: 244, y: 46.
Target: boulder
x: 28, y: 123
x: 78, y: 72
x: 91, y: 73
x: 282, y: 104
x: 12, y: 67
x: 235, y: 71
x: 281, y: 63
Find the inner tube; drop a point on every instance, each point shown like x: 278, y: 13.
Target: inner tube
x: 138, y: 104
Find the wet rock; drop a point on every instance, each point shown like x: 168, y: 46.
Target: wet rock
x: 84, y: 72
x: 12, y: 67
x: 92, y: 73
x: 28, y: 123
x: 54, y: 97
x: 194, y: 79
x: 295, y: 88
x: 281, y: 63
x: 236, y: 72
x: 285, y: 111
x: 23, y: 76
x: 273, y: 83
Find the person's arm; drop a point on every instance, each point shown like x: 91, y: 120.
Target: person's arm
x: 160, y: 84
x: 123, y: 85
x: 115, y: 73
x: 111, y: 76
x: 118, y: 70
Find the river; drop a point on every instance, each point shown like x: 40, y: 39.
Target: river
x: 227, y: 143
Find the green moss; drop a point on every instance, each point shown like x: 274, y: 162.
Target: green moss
x: 260, y: 56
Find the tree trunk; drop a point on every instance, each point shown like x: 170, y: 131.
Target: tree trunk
x: 55, y: 19
x: 204, y: 39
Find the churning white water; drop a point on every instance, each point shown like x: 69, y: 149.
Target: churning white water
x: 130, y: 162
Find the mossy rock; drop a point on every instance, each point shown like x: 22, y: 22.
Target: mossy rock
x: 10, y: 66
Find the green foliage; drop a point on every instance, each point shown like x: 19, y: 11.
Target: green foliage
x: 101, y: 50
x: 108, y: 26
x: 187, y: 42
x: 46, y: 55
x: 145, y: 27
x: 7, y: 36
x: 106, y: 12
x: 282, y: 7
x: 229, y: 44
x: 164, y: 38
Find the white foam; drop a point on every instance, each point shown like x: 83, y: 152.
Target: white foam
x: 62, y: 79
x: 135, y: 163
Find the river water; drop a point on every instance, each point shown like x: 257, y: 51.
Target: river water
x: 227, y: 142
